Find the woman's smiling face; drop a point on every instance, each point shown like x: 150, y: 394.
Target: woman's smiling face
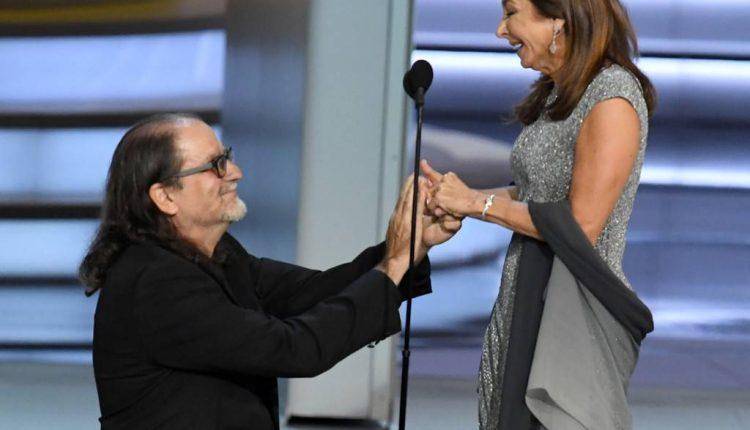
x: 531, y: 33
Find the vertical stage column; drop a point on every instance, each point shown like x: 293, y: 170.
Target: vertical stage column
x: 315, y: 108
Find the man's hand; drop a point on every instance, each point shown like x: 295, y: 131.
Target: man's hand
x: 437, y: 230
x: 396, y: 260
x: 437, y: 227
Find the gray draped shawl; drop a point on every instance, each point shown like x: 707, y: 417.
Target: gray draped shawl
x: 575, y: 334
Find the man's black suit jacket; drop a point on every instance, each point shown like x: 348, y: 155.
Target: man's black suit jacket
x: 183, y: 345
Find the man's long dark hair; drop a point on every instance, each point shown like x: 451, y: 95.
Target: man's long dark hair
x: 146, y: 154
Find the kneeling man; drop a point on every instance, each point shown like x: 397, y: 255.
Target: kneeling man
x: 191, y: 331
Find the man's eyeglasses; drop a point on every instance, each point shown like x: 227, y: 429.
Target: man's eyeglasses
x: 218, y: 165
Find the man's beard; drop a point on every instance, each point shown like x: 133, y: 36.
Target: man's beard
x: 236, y: 212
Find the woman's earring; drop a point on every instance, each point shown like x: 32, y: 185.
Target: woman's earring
x: 555, y: 33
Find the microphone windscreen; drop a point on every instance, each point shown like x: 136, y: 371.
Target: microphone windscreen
x: 420, y: 75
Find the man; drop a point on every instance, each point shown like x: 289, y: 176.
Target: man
x: 190, y: 330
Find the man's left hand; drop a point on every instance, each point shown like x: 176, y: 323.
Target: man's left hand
x: 437, y: 230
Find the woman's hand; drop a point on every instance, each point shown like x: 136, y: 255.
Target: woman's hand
x: 449, y: 195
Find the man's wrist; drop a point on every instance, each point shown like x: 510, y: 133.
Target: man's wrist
x: 394, y: 268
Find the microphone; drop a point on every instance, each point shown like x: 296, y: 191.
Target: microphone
x: 416, y: 83
x: 418, y: 80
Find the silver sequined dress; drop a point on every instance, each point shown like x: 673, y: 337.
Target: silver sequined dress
x: 542, y: 164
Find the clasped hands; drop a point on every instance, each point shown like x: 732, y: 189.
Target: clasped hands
x: 442, y: 203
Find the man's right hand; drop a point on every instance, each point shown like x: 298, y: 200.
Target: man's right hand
x: 396, y: 260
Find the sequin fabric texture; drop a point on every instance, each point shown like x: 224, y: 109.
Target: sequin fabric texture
x: 542, y: 167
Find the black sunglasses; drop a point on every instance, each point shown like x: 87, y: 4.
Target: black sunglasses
x: 218, y: 165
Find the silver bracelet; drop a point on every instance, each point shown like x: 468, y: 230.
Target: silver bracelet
x: 487, y: 203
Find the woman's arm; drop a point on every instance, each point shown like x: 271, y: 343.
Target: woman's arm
x: 509, y: 192
x: 606, y: 149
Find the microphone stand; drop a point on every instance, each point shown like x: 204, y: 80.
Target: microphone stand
x: 405, y: 353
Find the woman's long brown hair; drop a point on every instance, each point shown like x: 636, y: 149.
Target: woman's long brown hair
x: 598, y: 33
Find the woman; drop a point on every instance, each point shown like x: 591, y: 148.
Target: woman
x: 581, y: 150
